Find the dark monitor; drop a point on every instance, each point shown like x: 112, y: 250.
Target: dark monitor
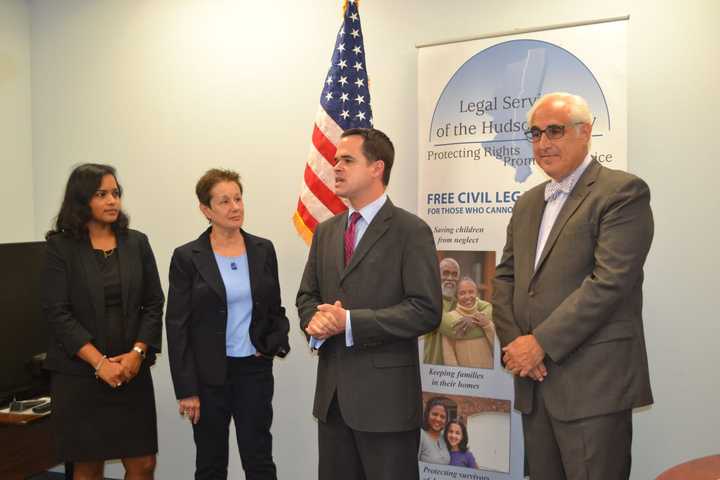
x: 23, y: 330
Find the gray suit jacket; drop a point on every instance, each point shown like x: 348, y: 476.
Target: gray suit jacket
x: 583, y: 303
x: 392, y: 289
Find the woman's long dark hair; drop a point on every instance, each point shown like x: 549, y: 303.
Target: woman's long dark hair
x: 463, y: 445
x: 75, y: 210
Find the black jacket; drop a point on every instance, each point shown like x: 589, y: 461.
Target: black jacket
x: 197, y: 312
x: 73, y: 299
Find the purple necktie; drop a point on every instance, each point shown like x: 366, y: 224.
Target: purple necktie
x: 350, y: 236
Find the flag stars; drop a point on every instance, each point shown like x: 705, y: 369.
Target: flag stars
x: 329, y: 80
x: 344, y: 97
x: 343, y: 81
x: 328, y: 96
x: 360, y: 115
x: 342, y: 64
x: 357, y: 50
x: 360, y: 82
x: 341, y: 48
x: 345, y: 114
x: 358, y: 66
x: 355, y: 33
x: 360, y: 99
x: 354, y: 16
x: 341, y: 33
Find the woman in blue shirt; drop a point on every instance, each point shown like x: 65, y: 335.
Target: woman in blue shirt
x: 456, y: 438
x: 225, y: 323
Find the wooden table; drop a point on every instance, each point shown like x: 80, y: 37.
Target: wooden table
x: 705, y: 468
x: 26, y: 446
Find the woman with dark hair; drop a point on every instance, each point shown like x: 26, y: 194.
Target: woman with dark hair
x: 103, y: 301
x: 225, y: 323
x: 456, y: 438
x: 433, y: 448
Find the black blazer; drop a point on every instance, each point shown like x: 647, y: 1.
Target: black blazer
x: 197, y: 312
x: 73, y: 299
x: 392, y: 288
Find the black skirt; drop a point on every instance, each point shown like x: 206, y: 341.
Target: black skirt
x: 93, y: 421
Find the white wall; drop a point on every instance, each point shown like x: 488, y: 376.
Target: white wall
x: 16, y: 194
x: 166, y: 89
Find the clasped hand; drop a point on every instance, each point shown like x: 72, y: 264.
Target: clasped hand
x: 463, y: 324
x: 120, y: 369
x: 524, y: 357
x: 329, y: 320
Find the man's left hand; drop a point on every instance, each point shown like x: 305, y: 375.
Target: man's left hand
x: 338, y: 313
x: 523, y: 355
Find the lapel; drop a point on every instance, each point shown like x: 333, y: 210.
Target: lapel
x: 124, y: 255
x: 579, y: 193
x: 338, y: 240
x: 375, y: 230
x: 207, y: 267
x: 533, y: 225
x: 256, y: 261
x: 94, y: 277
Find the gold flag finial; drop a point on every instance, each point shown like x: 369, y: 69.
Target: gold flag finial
x: 346, y: 2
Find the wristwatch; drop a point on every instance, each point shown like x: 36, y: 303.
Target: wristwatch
x: 140, y: 351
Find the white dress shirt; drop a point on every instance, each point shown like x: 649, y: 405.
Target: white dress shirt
x: 556, y: 193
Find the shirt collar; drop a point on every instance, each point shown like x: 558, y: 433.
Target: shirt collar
x: 369, y: 211
x: 566, y: 185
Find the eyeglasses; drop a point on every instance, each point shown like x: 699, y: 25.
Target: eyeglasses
x: 552, y: 132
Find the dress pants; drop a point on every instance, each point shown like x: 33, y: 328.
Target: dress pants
x: 349, y: 454
x: 246, y: 397
x: 594, y: 448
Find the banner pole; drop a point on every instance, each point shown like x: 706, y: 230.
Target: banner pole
x: 518, y: 31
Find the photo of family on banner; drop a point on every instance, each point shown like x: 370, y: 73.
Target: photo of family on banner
x: 464, y: 431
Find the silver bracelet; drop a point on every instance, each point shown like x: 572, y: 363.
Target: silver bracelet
x: 100, y: 364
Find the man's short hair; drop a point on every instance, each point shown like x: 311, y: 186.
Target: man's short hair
x: 579, y: 108
x: 376, y: 146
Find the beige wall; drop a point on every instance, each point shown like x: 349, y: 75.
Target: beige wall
x: 16, y: 194
x: 166, y: 89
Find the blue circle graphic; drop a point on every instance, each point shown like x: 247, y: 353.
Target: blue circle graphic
x: 494, y: 89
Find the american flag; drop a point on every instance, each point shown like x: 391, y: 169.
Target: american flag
x: 344, y: 104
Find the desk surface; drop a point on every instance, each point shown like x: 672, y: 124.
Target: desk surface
x: 20, y: 418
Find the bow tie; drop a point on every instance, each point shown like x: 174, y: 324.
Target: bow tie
x: 553, y: 189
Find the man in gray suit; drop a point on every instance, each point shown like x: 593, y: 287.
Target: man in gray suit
x: 568, y: 301
x: 371, y: 287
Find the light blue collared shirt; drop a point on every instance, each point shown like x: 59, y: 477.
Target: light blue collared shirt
x: 555, y: 203
x: 367, y: 214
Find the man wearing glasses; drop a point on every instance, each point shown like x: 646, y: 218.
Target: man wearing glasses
x: 568, y: 300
